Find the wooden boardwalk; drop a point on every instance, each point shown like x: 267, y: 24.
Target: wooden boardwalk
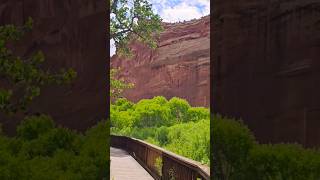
x: 125, y: 167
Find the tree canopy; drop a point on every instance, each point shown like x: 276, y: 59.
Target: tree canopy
x: 133, y: 18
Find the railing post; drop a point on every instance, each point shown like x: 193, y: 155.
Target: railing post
x: 146, y: 155
x: 163, y: 165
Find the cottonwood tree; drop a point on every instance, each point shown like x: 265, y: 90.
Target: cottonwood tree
x: 131, y: 19
x: 21, y: 79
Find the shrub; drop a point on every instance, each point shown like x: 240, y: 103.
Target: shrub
x: 236, y: 156
x: 122, y: 104
x: 149, y: 114
x: 198, y: 113
x: 143, y: 133
x: 162, y: 135
x: 179, y: 108
x: 58, y: 153
x: 12, y: 167
x: 96, y: 147
x: 232, y: 142
x: 159, y: 100
x: 32, y: 127
x: 59, y: 138
x: 191, y: 140
x: 121, y: 119
x: 282, y: 161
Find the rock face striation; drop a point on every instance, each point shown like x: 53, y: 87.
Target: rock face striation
x: 71, y: 34
x: 180, y: 66
x: 267, y: 68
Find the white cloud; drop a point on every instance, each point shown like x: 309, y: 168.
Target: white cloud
x: 112, y: 48
x: 205, y: 4
x: 179, y: 13
x: 179, y: 10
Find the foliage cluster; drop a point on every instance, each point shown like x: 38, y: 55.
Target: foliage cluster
x: 172, y: 124
x: 117, y: 86
x: 22, y: 78
x: 40, y: 150
x: 236, y: 155
x: 133, y: 19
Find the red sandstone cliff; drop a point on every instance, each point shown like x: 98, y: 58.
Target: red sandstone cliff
x: 180, y: 66
x: 267, y: 68
x: 71, y: 34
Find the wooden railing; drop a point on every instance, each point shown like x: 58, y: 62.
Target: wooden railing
x: 161, y: 164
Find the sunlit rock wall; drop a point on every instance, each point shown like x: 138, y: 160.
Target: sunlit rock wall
x: 180, y: 66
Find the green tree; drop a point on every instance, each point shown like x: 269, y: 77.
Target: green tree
x: 179, y: 108
x: 22, y: 78
x: 133, y: 19
x: 148, y: 113
x: 117, y: 86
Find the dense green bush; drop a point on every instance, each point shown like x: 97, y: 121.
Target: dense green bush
x: 232, y: 142
x: 283, y: 161
x: 191, y: 140
x: 237, y: 156
x: 197, y: 113
x: 123, y: 104
x: 42, y: 151
x: 32, y: 127
x: 152, y: 113
x: 173, y: 125
x: 162, y: 135
x: 179, y: 108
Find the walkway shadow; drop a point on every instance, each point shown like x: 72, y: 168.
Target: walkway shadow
x: 114, y: 152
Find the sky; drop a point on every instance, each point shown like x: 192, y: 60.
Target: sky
x: 176, y: 10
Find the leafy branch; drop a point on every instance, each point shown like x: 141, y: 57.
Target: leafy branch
x: 133, y: 19
x: 22, y: 79
x: 117, y: 86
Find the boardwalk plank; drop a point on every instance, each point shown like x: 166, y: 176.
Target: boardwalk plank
x: 125, y: 167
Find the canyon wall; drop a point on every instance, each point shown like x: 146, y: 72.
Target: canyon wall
x: 267, y: 68
x: 70, y: 34
x: 179, y: 66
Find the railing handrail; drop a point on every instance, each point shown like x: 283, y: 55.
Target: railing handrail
x: 201, y: 169
x: 185, y: 160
